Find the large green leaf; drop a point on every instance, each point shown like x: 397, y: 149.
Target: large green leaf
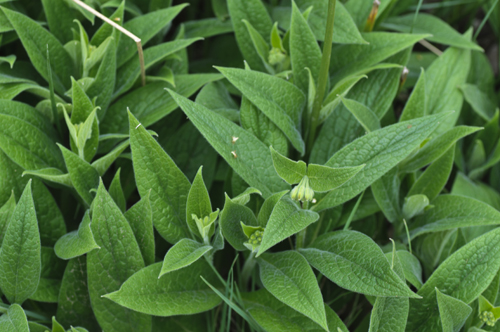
x: 274, y: 315
x: 473, y: 267
x: 168, y: 189
x: 254, y: 12
x: 76, y: 243
x: 144, y: 27
x: 453, y: 312
x: 180, y: 292
x: 454, y: 211
x: 37, y: 41
x: 74, y: 306
x: 388, y: 146
x: 14, y: 320
x: 140, y: 218
x: 285, y: 220
x: 118, y: 258
x: 20, y: 260
x: 288, y: 276
x: 353, y: 261
x: 304, y: 50
x: 279, y: 100
x: 253, y: 159
x: 182, y: 254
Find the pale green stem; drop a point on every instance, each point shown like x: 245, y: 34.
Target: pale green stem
x: 323, y: 73
x: 246, y: 272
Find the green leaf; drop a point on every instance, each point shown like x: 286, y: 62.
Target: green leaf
x: 290, y: 171
x: 106, y: 30
x: 386, y: 192
x: 363, y: 114
x: 268, y: 207
x: 47, y: 291
x: 435, y: 177
x: 353, y: 261
x: 150, y: 103
x: 285, y: 220
x: 414, y: 205
x: 441, y: 32
x: 198, y: 203
x: 253, y: 162
x: 453, y: 312
x: 411, y: 268
x: 176, y: 293
x: 116, y: 192
x: 35, y: 40
x: 473, y: 267
x: 288, y: 276
x: 74, y: 306
x: 105, y: 80
x: 443, y: 77
x: 324, y: 178
x: 182, y: 254
x: 140, y: 219
x: 259, y: 44
x: 454, y: 211
x: 416, y: 106
x: 145, y: 27
x: 83, y: 176
x: 27, y: 145
x: 256, y: 14
x: 230, y: 221
x: 389, y: 313
x: 20, y: 260
x: 436, y: 147
x: 389, y: 146
x: 168, y: 189
x: 479, y: 101
x: 59, y: 18
x: 77, y: 243
x: 345, y: 29
x: 353, y: 59
x: 130, y: 71
x: 118, y: 258
x: 304, y: 50
x: 256, y: 122
x: 274, y: 315
x: 492, y: 161
x: 278, y: 99
x: 102, y: 164
x: 85, y: 133
x: 5, y: 213
x: 14, y: 320
x: 207, y: 27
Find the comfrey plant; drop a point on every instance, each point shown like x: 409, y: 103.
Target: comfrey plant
x: 249, y: 165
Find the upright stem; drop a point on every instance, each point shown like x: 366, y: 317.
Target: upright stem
x: 323, y: 72
x: 246, y: 272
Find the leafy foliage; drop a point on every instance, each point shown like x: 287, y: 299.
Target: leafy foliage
x: 249, y: 165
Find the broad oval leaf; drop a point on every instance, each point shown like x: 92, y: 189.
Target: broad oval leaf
x: 14, y: 320
x: 20, y: 257
x: 473, y: 267
x: 288, y: 276
x: 169, y: 187
x: 353, y: 261
x: 182, y: 254
x: 180, y: 292
x: 253, y: 160
x: 108, y: 267
x: 78, y: 242
x: 285, y: 220
x: 454, y: 211
x: 380, y: 151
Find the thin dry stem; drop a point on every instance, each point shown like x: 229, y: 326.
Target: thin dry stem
x: 430, y: 47
x: 136, y: 39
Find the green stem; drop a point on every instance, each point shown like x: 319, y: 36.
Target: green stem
x: 246, y: 272
x: 323, y: 72
x: 28, y: 313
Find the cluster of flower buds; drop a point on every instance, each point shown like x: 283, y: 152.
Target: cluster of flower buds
x: 276, y: 56
x: 302, y: 192
x: 206, y: 225
x: 254, y: 235
x: 488, y: 318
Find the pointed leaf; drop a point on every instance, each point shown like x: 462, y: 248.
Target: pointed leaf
x: 198, y: 202
x: 290, y: 171
x: 363, y: 114
x: 78, y: 242
x: 453, y: 312
x: 140, y: 219
x: 182, y: 254
x: 14, y: 320
x: 230, y: 221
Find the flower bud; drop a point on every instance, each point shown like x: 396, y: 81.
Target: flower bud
x: 276, y: 56
x: 302, y: 192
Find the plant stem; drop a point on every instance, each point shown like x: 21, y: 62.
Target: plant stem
x: 323, y: 73
x: 246, y: 272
